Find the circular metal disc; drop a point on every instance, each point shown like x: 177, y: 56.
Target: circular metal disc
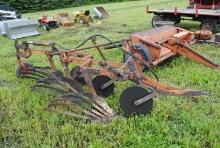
x: 129, y: 96
x: 100, y: 80
x: 77, y: 75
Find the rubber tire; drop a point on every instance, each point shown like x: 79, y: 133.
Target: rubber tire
x: 57, y: 25
x: 156, y: 17
x: 46, y: 27
x: 211, y: 23
x: 81, y: 21
x: 177, y: 20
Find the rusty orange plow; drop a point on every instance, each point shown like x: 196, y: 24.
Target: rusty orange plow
x: 141, y: 51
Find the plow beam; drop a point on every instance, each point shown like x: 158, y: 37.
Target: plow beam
x: 166, y: 90
x: 191, y: 54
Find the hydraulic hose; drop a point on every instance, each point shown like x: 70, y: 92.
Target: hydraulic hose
x: 110, y: 41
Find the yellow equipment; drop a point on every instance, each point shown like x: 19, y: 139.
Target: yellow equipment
x: 83, y: 17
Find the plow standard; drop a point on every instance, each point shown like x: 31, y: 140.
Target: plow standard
x: 140, y: 51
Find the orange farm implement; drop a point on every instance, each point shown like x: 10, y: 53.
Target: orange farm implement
x: 100, y: 75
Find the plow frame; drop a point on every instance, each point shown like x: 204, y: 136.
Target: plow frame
x: 90, y: 67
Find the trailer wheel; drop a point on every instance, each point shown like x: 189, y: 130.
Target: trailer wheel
x: 57, y: 25
x: 156, y: 19
x: 210, y: 25
x: 177, y: 20
x: 46, y: 27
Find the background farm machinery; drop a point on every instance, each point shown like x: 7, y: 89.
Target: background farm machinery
x: 83, y: 17
x: 48, y: 23
x: 157, y: 45
x: 100, y: 75
x: 205, y: 4
x: 8, y: 13
x: 204, y: 11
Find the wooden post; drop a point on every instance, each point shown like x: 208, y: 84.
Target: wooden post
x: 213, y: 5
x: 147, y: 9
x: 197, y: 11
x: 175, y: 11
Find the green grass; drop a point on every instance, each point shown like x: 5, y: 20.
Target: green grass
x: 174, y: 122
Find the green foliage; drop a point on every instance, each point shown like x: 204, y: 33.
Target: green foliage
x: 40, y: 5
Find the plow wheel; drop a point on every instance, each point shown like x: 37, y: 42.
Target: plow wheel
x: 209, y: 25
x: 101, y: 90
x: 128, y: 98
x: 77, y: 75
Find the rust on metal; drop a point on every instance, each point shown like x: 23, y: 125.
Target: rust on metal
x: 143, y: 49
x: 167, y: 41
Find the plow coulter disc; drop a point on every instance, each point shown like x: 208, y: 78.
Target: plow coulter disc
x: 128, y: 98
x: 98, y: 84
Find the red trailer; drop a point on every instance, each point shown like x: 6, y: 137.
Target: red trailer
x: 205, y: 11
x: 205, y: 4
